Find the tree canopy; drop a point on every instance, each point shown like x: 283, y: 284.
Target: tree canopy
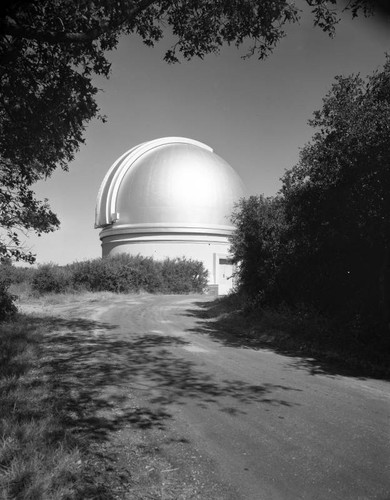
x: 256, y: 246
x: 51, y: 49
x: 338, y: 197
x: 331, y: 221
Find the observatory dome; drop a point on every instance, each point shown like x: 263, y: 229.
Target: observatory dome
x: 169, y: 197
x: 169, y: 181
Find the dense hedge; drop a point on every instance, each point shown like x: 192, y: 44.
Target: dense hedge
x: 51, y: 278
x: 120, y: 274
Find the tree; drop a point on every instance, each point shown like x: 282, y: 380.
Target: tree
x: 258, y: 247
x: 324, y: 242
x: 337, y: 202
x: 51, y: 49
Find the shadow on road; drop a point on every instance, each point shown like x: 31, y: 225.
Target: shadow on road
x: 304, y: 355
x: 103, y: 378
x: 99, y: 374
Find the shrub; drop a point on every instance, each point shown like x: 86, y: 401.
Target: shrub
x: 21, y: 274
x: 151, y: 275
x: 183, y: 276
x: 122, y: 274
x: 7, y: 306
x: 51, y: 278
x: 128, y: 274
x: 119, y: 274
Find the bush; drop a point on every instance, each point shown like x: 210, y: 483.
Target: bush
x: 121, y: 274
x: 131, y: 274
x: 183, y: 276
x: 7, y: 306
x: 50, y: 278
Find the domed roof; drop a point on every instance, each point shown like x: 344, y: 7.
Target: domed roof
x: 171, y: 182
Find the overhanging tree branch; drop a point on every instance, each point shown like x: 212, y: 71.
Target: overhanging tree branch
x: 11, y: 28
x: 50, y: 50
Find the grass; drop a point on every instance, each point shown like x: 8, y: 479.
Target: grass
x: 39, y: 459
x: 26, y: 296
x: 63, y: 399
x: 299, y: 333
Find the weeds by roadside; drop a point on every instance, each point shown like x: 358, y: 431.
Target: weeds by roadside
x: 38, y: 458
x: 27, y: 297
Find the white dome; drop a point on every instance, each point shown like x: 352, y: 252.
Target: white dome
x: 171, y: 198
x: 168, y: 182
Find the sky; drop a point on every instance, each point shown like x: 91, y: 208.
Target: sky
x: 252, y: 113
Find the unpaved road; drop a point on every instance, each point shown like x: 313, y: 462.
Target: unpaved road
x: 239, y: 423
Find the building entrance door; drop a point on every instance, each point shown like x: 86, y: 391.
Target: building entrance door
x: 224, y: 275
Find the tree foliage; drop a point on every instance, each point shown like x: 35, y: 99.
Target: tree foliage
x: 50, y: 51
x: 257, y: 245
x: 338, y: 198
x: 335, y: 241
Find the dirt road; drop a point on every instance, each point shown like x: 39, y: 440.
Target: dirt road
x: 219, y: 421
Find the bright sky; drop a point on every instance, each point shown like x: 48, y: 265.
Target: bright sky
x: 252, y: 113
